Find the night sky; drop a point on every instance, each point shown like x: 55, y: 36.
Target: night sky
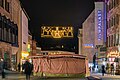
x: 57, y: 12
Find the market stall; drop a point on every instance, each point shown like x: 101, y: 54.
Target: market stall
x: 61, y: 65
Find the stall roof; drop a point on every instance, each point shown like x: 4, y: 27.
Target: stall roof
x: 58, y: 56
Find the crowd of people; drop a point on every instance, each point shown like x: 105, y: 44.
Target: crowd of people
x: 103, y: 69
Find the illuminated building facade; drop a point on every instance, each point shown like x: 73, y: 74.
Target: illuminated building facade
x: 100, y: 30
x: 80, y: 35
x: 113, y: 30
x: 9, y: 27
x: 94, y: 33
x: 24, y: 35
x: 56, y: 31
x: 31, y: 48
x: 88, y: 38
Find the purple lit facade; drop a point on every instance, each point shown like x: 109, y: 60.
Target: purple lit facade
x: 113, y: 30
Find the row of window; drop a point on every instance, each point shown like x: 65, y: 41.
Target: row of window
x: 5, y: 4
x: 8, y: 31
x: 113, y: 21
x: 112, y: 4
x: 113, y: 40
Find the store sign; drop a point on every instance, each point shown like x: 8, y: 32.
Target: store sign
x: 99, y: 25
x: 113, y: 54
x: 88, y: 45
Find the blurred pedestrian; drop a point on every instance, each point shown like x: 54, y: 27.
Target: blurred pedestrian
x: 27, y: 67
x: 90, y: 68
x: 112, y: 69
x: 19, y: 67
x: 2, y: 66
x: 103, y: 70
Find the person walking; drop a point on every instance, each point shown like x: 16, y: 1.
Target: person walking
x: 27, y: 67
x: 112, y: 69
x: 19, y: 66
x: 2, y: 66
x: 103, y: 70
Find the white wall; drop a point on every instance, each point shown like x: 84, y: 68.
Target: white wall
x: 24, y: 31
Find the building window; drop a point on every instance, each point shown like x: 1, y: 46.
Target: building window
x: 9, y: 39
x: 117, y: 39
x: 2, y: 3
x: 116, y: 2
x: 5, y: 30
x: 11, y: 34
x: 7, y: 6
x: 117, y: 19
x: 114, y: 39
x: 0, y: 27
x: 109, y: 41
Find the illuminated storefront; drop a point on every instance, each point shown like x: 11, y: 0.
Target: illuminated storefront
x: 113, y: 31
x: 25, y: 55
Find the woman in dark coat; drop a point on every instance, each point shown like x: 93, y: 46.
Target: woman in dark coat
x: 27, y: 66
x: 103, y: 70
x: 2, y: 66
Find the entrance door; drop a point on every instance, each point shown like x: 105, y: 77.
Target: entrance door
x: 0, y: 53
x: 7, y: 60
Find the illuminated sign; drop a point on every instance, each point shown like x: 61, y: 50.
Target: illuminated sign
x: 25, y: 55
x: 88, y: 45
x: 28, y: 48
x: 56, y: 31
x: 99, y: 18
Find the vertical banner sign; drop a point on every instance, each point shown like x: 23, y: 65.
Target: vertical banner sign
x: 99, y: 25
